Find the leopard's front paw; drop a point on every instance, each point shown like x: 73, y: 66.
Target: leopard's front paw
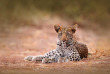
x: 29, y: 58
x: 37, y: 58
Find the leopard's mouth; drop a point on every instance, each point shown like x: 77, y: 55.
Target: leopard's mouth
x: 66, y: 43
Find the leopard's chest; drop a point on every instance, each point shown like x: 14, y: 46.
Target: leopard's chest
x: 67, y: 51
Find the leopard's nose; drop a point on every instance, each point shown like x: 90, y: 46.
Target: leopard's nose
x: 64, y: 40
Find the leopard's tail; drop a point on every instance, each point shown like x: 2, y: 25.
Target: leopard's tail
x: 34, y: 58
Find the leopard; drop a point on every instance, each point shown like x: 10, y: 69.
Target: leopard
x: 68, y: 48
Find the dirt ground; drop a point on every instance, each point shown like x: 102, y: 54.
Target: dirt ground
x: 17, y: 43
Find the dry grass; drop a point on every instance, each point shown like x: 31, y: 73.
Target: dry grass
x: 34, y: 40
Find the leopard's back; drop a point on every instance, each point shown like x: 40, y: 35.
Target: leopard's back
x: 82, y: 49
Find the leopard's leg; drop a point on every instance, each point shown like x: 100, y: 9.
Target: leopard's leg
x: 38, y: 58
x: 75, y: 57
x: 46, y: 60
x: 63, y: 59
x: 29, y: 58
x: 34, y: 58
x: 51, y: 58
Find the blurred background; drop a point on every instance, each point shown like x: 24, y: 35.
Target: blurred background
x: 26, y: 26
x: 87, y: 13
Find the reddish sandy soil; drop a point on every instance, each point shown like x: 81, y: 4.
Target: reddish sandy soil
x: 15, y: 44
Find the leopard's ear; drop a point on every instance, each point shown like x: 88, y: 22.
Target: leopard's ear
x: 74, y: 28
x: 57, y: 28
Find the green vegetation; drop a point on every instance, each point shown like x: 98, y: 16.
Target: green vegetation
x: 97, y: 11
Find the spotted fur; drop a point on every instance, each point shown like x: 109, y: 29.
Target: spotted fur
x: 68, y: 49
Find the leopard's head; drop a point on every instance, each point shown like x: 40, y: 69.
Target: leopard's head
x: 66, y: 34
